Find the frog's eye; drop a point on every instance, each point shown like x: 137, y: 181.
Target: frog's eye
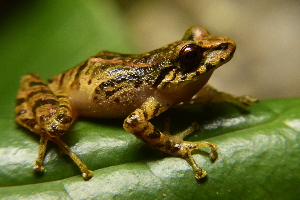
x: 190, y: 55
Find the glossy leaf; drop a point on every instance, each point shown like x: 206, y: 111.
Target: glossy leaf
x: 258, y: 157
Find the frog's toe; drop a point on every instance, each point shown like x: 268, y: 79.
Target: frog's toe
x: 199, y: 174
x: 246, y: 100
x: 213, y: 155
x: 38, y: 168
x: 87, y: 175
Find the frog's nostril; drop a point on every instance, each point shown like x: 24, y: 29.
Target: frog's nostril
x: 209, y: 66
x: 222, y: 46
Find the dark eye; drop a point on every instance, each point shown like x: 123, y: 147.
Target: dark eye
x: 190, y: 55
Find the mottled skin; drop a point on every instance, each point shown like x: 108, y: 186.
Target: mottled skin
x: 137, y: 87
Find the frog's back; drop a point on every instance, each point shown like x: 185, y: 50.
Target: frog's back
x: 105, y: 86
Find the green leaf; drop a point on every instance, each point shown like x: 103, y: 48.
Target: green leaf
x: 258, y: 146
x: 258, y: 157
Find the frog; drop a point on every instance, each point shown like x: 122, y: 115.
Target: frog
x: 135, y: 87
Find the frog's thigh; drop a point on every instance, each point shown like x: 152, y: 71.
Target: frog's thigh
x: 38, y: 108
x: 31, y: 90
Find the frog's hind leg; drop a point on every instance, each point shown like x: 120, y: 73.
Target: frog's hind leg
x: 26, y: 118
x: 48, y: 114
x: 209, y: 94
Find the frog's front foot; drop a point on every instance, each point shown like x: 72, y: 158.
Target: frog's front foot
x: 137, y: 123
x: 186, y: 147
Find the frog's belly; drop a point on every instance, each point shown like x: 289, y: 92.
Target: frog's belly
x: 117, y: 106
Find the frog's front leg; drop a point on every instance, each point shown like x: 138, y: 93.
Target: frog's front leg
x: 47, y: 113
x: 137, y: 123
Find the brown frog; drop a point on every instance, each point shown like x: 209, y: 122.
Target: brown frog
x: 137, y: 87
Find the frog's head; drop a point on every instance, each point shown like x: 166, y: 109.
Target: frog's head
x: 204, y: 52
x: 193, y: 59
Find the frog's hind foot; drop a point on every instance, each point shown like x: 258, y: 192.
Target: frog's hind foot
x: 39, y: 167
x: 208, y: 95
x: 86, y: 173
